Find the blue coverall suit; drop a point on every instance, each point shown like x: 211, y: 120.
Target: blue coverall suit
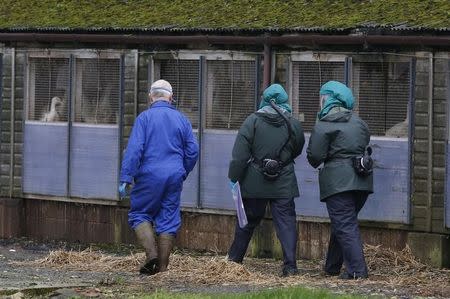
x: 161, y: 152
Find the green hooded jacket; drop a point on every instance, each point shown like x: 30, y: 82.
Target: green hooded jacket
x: 261, y: 136
x: 335, y: 139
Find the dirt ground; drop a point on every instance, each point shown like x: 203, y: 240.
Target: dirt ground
x: 59, y: 270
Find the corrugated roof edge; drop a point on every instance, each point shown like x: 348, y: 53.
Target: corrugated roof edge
x: 369, y: 29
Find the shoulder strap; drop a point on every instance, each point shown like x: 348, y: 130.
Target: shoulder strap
x: 288, y: 124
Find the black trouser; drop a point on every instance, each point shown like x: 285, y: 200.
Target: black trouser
x: 284, y: 219
x: 345, y: 240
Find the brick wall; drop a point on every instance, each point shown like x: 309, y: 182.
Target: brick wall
x: 130, y: 111
x: 439, y: 142
x: 129, y: 95
x: 6, y: 122
x: 49, y: 220
x: 143, y: 84
x: 11, y: 217
x: 428, y: 208
x: 87, y: 223
x: 5, y: 125
x: 420, y: 152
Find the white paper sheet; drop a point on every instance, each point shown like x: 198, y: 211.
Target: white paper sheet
x: 240, y: 211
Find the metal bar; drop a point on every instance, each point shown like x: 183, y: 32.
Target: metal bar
x: 385, y: 73
x: 12, y: 117
x: 430, y: 145
x: 150, y: 76
x: 150, y: 72
x: 292, y: 39
x: 273, y: 66
x: 136, y: 83
x: 257, y: 80
x: 267, y: 65
x: 289, y: 84
x: 25, y: 107
x: 121, y: 118
x: 315, y: 39
x: 121, y: 112
x: 447, y: 149
x: 201, y: 85
x: 70, y: 105
x: 348, y: 67
x: 91, y: 201
x: 1, y: 96
x: 411, y: 130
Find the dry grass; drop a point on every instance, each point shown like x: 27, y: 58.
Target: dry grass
x: 386, y: 267
x: 402, y: 268
x: 88, y: 260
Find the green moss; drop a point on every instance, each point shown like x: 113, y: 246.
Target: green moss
x: 214, y: 14
x: 436, y: 256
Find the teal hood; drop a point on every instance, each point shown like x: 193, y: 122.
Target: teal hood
x: 339, y: 95
x: 277, y: 93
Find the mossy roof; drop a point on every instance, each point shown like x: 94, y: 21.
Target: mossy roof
x: 192, y: 15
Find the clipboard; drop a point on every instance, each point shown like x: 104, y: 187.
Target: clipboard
x: 239, y: 204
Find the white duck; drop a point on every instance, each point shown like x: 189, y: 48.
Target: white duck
x: 400, y: 129
x: 53, y: 114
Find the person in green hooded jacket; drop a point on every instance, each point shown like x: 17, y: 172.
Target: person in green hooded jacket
x: 266, y: 136
x: 338, y: 137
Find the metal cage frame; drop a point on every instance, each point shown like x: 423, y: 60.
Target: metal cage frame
x: 72, y: 55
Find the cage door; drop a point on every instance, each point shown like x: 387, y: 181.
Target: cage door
x: 46, y: 128
x: 94, y: 144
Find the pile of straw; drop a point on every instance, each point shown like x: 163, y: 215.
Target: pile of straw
x: 213, y: 270
x: 403, y: 268
x: 87, y: 260
x: 386, y: 267
x: 199, y: 269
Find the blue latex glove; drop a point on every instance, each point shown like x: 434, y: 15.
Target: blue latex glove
x: 231, y: 184
x: 123, y: 190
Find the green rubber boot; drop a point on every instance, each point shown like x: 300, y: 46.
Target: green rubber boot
x: 166, y: 242
x: 146, y: 237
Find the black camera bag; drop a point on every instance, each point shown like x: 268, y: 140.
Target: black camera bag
x: 363, y: 164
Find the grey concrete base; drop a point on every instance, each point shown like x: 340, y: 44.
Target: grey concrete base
x: 432, y: 249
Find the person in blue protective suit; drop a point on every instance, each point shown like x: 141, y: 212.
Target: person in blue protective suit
x: 263, y: 163
x: 161, y: 152
x: 340, y: 138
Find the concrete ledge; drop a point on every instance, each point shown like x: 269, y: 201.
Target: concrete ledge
x: 432, y: 249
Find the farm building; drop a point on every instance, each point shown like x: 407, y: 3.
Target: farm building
x: 75, y: 74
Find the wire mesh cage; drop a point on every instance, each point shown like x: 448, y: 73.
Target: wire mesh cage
x: 308, y: 77
x: 230, y: 93
x: 183, y: 75
x: 48, y: 89
x: 72, y: 160
x: 97, y: 91
x: 382, y: 90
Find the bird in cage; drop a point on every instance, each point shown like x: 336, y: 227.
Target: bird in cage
x: 100, y: 109
x: 400, y: 129
x: 55, y: 110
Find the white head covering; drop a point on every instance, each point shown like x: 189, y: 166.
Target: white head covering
x: 161, y: 86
